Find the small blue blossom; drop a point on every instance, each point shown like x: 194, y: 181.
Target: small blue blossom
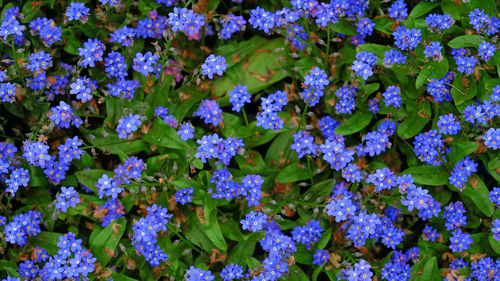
x: 466, y: 64
x: 210, y: 112
x: 186, y: 132
x: 254, y: 221
x: 398, y: 10
x: 447, y: 124
x: 127, y: 125
x: 392, y: 96
x: 183, y: 196
x: 8, y: 92
x: 303, y: 144
x: 320, y: 257
x: 392, y: 57
x: 68, y: 198
x: 434, y: 51
x: 407, y: 39
x: 430, y: 233
x: 146, y: 63
x: 486, y: 50
x: 214, y: 65
x: 91, y: 52
x: 460, y: 241
x: 492, y: 138
x: 238, y: 97
x: 232, y: 271
x: 77, y: 11
x: 39, y: 61
x: 115, y: 65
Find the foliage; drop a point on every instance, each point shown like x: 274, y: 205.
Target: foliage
x: 249, y: 140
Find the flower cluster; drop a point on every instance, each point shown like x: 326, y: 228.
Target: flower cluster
x: 268, y: 118
x: 145, y: 234
x: 214, y: 147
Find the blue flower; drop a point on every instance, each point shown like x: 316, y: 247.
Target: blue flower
x: 127, y: 125
x: 67, y: 198
x: 8, y: 92
x: 447, y: 124
x: 460, y: 241
x: 115, y: 65
x: 238, y: 97
x: 407, y: 39
x: 254, y: 221
x: 77, y: 11
x: 398, y: 10
x: 231, y: 272
x: 392, y: 96
x: 230, y: 25
x: 214, y: 65
x: 91, y: 52
x: 146, y: 63
x: 438, y: 22
x: 434, y: 51
x: 186, y: 132
x: 466, y: 64
x: 124, y: 36
x: 492, y: 138
x: 320, y: 256
x: 262, y: 19
x: 197, y: 274
x: 392, y: 57
x: 82, y: 88
x: 210, y: 112
x: 303, y: 144
x: 39, y: 61
x: 184, y: 195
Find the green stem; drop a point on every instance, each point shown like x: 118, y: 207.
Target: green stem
x: 244, y: 116
x: 113, y: 143
x: 173, y: 228
x: 309, y: 167
x: 298, y: 129
x: 327, y: 45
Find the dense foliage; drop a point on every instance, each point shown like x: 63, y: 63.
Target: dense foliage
x: 249, y: 140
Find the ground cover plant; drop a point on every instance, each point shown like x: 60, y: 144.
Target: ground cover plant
x: 249, y: 140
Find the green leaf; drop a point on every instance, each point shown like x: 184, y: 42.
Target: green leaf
x: 90, y: 177
x: 416, y: 121
x: 321, y: 189
x: 464, y: 88
x: 494, y: 163
x: 460, y: 150
x: 293, y: 173
x: 430, y: 270
x: 163, y: 135
x: 106, y: 139
x: 479, y: 194
x: 454, y: 8
x: 432, y: 69
x: 344, y: 27
x: 103, y: 241
x: 47, y: 240
x: 354, y: 124
x: 428, y: 175
x: 325, y: 238
x: 122, y: 277
x: 278, y: 149
x: 211, y: 225
x: 258, y: 65
x: 377, y: 49
x: 422, y: 8
x: 495, y: 244
x: 465, y: 41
